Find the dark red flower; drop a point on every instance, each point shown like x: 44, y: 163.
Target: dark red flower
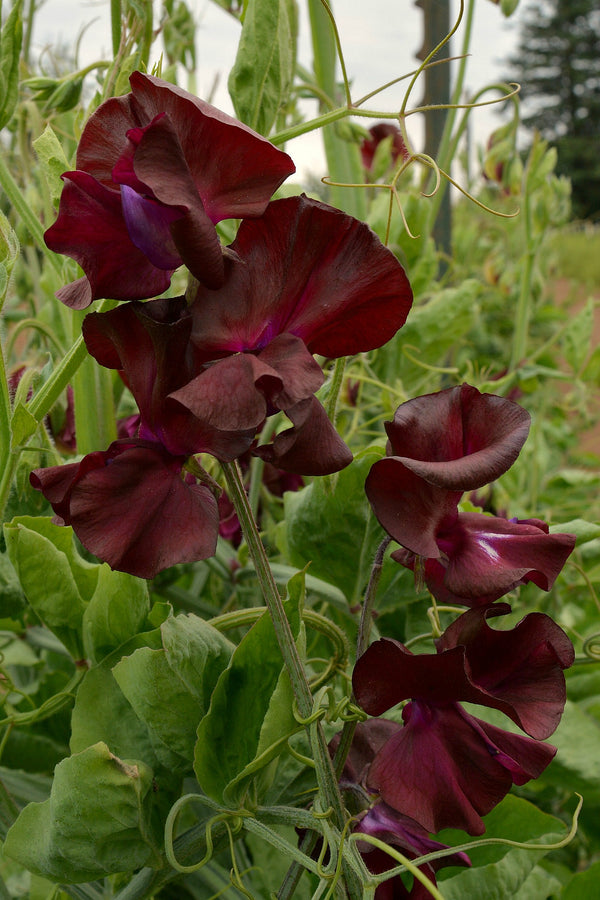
x: 131, y: 507
x: 379, y: 133
x: 137, y: 505
x: 156, y: 170
x: 446, y: 768
x: 412, y: 840
x: 305, y: 279
x: 441, y: 445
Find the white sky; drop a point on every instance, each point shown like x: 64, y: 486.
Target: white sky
x: 380, y: 39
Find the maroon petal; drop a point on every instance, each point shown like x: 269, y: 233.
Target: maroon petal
x: 311, y: 447
x: 309, y: 270
x: 369, y: 737
x: 226, y: 394
x: 413, y: 841
x: 159, y: 162
x: 489, y: 555
x: 522, y: 667
x: 254, y: 169
x: 447, y: 769
x: 300, y: 373
x: 410, y: 509
x: 131, y: 508
x: 434, y: 575
x: 91, y: 230
x: 388, y: 673
x: 458, y: 439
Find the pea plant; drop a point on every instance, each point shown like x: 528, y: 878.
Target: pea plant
x: 300, y: 549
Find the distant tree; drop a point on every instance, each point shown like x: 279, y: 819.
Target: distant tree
x: 558, y: 67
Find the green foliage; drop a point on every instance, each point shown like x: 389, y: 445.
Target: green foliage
x: 500, y: 871
x: 249, y: 720
x: 11, y: 38
x: 260, y: 80
x: 95, y: 787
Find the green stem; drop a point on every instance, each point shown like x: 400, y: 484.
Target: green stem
x: 326, y: 777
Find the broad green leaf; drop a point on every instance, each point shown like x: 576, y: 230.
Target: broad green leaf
x: 96, y: 821
x: 170, y: 688
x: 52, y: 160
x: 250, y: 716
x: 57, y: 582
x: 11, y: 38
x: 576, y: 766
x: 12, y: 599
x: 499, y: 871
x: 335, y: 531
x: 116, y: 612
x: 584, y: 885
x: 583, y: 531
x: 102, y: 713
x: 260, y: 79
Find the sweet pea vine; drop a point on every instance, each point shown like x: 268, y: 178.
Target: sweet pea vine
x: 235, y: 369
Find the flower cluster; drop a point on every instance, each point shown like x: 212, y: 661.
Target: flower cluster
x: 440, y: 446
x: 442, y: 766
x: 156, y: 170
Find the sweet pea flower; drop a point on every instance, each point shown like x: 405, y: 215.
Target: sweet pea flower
x: 157, y: 169
x: 445, y: 767
x: 441, y: 445
x: 411, y: 840
x: 138, y: 505
x: 305, y: 278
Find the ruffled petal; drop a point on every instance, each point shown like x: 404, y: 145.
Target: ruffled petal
x: 309, y: 270
x: 131, y: 508
x: 311, y: 447
x: 410, y: 509
x: 446, y: 769
x: 458, y: 439
x: 488, y: 555
x: 90, y: 228
x: 522, y: 667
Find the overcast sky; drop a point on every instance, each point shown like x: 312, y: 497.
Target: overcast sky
x: 380, y: 39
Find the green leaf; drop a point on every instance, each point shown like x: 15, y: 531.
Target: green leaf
x: 576, y: 766
x: 96, y: 821
x: 324, y: 527
x: 102, y: 713
x: 116, y: 612
x: 12, y: 599
x: 57, y: 582
x: 583, y: 531
x: 9, y: 251
x: 499, y: 870
x: 260, y: 79
x: 250, y: 716
x: 53, y: 161
x: 584, y: 885
x: 23, y: 425
x: 578, y: 335
x: 170, y: 688
x: 11, y: 38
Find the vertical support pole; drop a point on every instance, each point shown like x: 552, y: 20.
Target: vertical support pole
x: 436, y: 25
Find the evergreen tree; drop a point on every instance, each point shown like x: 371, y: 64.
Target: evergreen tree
x: 558, y: 67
